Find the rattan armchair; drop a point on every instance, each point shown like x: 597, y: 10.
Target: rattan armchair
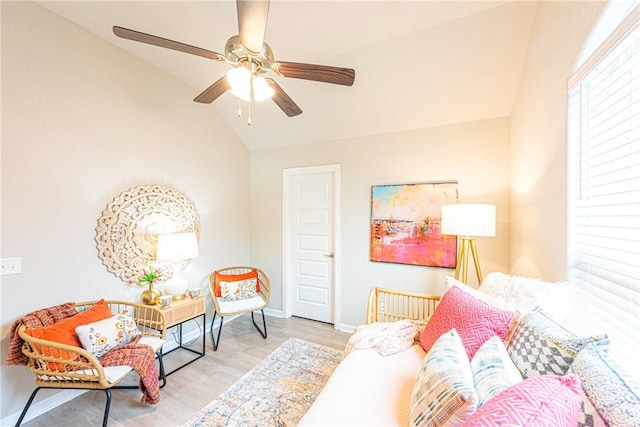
x: 55, y: 365
x: 235, y: 308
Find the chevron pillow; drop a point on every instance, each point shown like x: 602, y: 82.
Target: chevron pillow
x: 475, y: 321
x: 541, y: 346
x: 542, y: 401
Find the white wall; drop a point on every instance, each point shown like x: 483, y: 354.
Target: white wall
x: 83, y: 121
x: 476, y: 154
x: 538, y: 139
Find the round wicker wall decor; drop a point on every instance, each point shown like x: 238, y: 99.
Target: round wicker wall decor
x: 128, y: 229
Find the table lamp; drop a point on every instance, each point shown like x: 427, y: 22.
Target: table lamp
x: 177, y: 248
x: 468, y: 221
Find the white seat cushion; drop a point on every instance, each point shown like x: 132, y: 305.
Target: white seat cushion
x: 155, y: 342
x: 114, y: 373
x: 248, y: 304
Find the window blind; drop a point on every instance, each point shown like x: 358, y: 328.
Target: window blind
x: 604, y: 190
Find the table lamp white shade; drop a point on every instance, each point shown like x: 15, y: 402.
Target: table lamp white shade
x: 478, y: 220
x: 177, y: 248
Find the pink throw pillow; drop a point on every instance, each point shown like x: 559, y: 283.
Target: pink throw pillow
x: 542, y: 401
x: 474, y: 320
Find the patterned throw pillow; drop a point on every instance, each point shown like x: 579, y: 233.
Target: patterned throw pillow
x: 443, y: 393
x: 542, y: 401
x: 493, y: 370
x: 541, y: 346
x: 241, y: 289
x: 63, y: 332
x: 613, y: 393
x: 100, y: 337
x: 475, y: 321
x: 588, y: 415
x: 219, y: 277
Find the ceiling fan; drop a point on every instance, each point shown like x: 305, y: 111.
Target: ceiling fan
x: 251, y: 58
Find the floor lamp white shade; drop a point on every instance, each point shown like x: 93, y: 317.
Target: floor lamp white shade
x: 177, y: 248
x: 468, y: 221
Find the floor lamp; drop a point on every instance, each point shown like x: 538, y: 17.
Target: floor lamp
x: 468, y: 221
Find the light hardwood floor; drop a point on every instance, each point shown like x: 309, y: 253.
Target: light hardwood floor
x: 192, y: 388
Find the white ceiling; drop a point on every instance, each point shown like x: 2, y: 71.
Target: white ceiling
x: 418, y: 63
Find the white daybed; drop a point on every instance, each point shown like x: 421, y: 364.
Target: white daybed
x: 368, y: 389
x: 382, y: 399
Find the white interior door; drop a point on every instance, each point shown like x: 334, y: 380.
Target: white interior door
x: 310, y: 244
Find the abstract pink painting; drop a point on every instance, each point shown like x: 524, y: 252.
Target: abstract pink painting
x: 405, y: 224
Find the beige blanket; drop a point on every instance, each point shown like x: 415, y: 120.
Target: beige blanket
x: 385, y: 337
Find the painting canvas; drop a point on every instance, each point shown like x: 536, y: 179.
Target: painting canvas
x: 405, y: 224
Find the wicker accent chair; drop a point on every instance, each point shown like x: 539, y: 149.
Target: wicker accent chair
x: 53, y: 367
x: 239, y: 307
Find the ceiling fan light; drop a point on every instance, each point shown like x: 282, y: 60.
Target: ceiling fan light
x: 238, y: 77
x: 242, y: 93
x: 240, y: 81
x: 261, y: 89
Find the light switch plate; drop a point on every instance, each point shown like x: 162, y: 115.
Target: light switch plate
x: 11, y: 266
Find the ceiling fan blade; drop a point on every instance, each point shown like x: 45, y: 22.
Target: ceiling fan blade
x: 252, y: 22
x: 319, y: 73
x: 137, y: 36
x: 212, y: 93
x: 283, y: 100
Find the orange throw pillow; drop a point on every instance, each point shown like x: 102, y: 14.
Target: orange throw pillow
x: 253, y: 274
x: 64, y: 332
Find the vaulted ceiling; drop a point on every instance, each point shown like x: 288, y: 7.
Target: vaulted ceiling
x: 418, y: 63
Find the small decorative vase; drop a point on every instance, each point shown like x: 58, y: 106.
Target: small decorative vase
x: 151, y: 295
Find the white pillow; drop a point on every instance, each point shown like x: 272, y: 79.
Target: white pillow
x: 525, y: 293
x: 493, y: 370
x: 101, y: 336
x: 444, y: 393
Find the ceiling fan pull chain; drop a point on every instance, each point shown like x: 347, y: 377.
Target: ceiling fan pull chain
x: 249, y: 116
x: 239, y: 107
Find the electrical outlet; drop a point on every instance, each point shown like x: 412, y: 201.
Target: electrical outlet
x: 381, y: 307
x: 11, y: 266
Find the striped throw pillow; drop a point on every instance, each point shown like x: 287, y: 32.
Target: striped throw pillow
x: 444, y: 392
x: 493, y: 370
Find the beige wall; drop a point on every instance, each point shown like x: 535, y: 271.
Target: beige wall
x: 83, y: 121
x: 476, y: 154
x: 538, y: 139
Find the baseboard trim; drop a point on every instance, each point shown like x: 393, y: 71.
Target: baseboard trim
x: 274, y: 313
x: 345, y: 328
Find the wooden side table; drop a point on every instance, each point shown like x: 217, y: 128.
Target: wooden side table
x: 180, y: 312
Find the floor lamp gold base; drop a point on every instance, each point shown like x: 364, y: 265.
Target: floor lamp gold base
x: 462, y: 264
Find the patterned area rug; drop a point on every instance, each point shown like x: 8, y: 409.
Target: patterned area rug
x: 277, y: 392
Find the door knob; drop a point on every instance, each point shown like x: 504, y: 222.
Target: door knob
x: 331, y: 255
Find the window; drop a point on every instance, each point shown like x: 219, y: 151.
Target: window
x: 604, y: 189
